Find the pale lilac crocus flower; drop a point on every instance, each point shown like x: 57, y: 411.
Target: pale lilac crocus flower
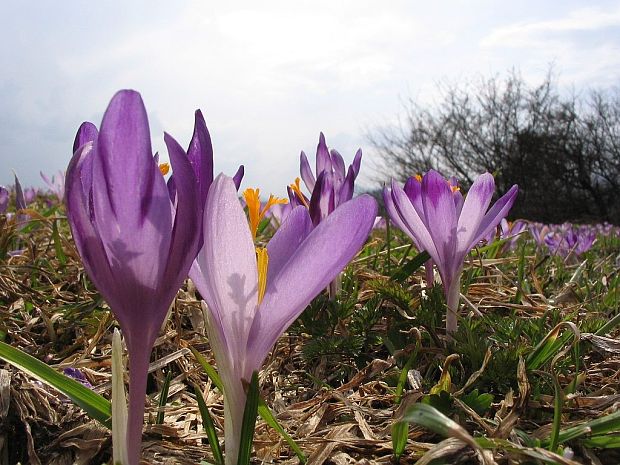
x: 56, y: 183
x: 511, y: 231
x: 413, y: 189
x: 136, y: 245
x: 254, y: 294
x: 446, y: 229
x: 30, y: 194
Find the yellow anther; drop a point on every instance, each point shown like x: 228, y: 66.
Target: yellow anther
x: 418, y: 177
x: 164, y: 168
x: 262, y: 264
x: 255, y: 213
x: 297, y: 190
x: 455, y: 188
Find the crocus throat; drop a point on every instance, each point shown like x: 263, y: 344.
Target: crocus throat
x: 262, y: 264
x: 418, y: 177
x: 297, y: 190
x: 255, y: 213
x: 164, y: 168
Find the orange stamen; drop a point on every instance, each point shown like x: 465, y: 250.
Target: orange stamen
x: 296, y: 188
x: 262, y: 264
x: 255, y: 213
x: 164, y: 168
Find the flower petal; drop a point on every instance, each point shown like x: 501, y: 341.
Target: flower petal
x: 131, y: 203
x: 238, y: 176
x: 414, y: 225
x: 4, y: 199
x: 292, y: 232
x: 338, y: 166
x: 498, y: 211
x: 306, y: 172
x: 20, y: 201
x: 475, y: 206
x: 346, y: 190
x: 323, y: 161
x: 357, y: 162
x: 441, y: 220
x: 84, y: 232
x: 187, y: 227
x: 200, y: 154
x: 394, y: 214
x: 413, y: 189
x: 229, y: 283
x: 87, y: 132
x: 322, y: 201
x: 317, y: 261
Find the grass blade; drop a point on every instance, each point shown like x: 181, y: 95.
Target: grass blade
x: 96, y: 406
x: 60, y: 254
x: 209, y: 427
x: 249, y: 422
x: 209, y: 370
x: 270, y: 419
x: 551, y: 344
x: 400, y: 434
x: 163, y: 398
x: 412, y: 265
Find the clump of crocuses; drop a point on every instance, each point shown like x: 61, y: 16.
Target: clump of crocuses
x: 254, y: 293
x: 332, y: 186
x: 445, y: 226
x: 137, y: 246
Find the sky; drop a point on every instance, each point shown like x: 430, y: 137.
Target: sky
x: 270, y: 75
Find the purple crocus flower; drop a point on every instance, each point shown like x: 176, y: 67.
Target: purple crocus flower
x: 56, y: 183
x: 413, y: 189
x: 21, y: 219
x: 254, y: 294
x: 20, y: 200
x: 445, y: 228
x: 78, y: 376
x: 331, y: 187
x: 4, y: 199
x: 136, y: 245
x: 30, y: 194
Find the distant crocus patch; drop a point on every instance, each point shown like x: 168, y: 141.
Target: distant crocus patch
x: 566, y: 240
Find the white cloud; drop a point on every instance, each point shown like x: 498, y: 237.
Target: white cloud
x: 538, y: 33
